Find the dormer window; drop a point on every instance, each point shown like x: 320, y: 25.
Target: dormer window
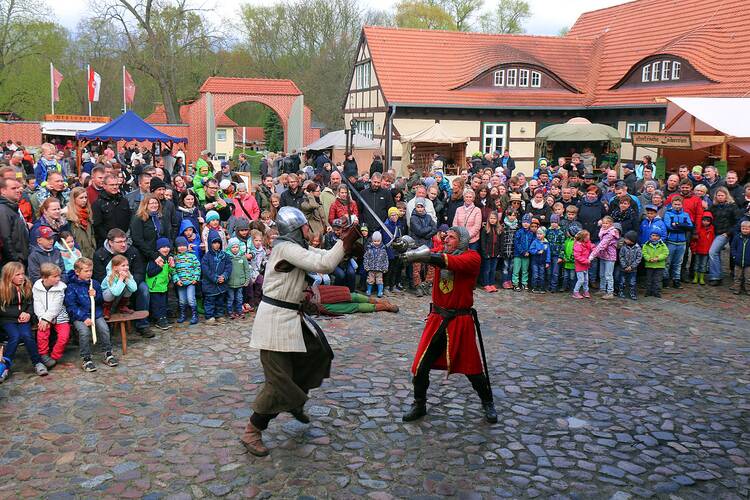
x: 661, y: 71
x: 523, y: 78
x: 499, y: 78
x: 536, y: 79
x: 511, y: 81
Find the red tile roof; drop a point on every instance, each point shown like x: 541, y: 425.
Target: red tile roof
x: 256, y: 134
x: 224, y: 121
x: 249, y: 86
x: 426, y: 67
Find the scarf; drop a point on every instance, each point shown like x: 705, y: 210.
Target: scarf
x: 295, y: 237
x: 83, y: 218
x: 157, y: 222
x: 536, y: 205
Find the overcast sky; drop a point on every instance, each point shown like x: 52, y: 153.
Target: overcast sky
x: 548, y: 16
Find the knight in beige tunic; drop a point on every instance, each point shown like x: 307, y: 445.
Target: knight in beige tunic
x: 294, y: 358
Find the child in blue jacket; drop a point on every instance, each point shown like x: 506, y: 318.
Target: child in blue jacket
x: 81, y: 287
x: 521, y: 253
x: 540, y: 260
x: 741, y: 255
x: 678, y: 223
x: 216, y: 268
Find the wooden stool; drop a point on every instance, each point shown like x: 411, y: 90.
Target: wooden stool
x: 124, y: 321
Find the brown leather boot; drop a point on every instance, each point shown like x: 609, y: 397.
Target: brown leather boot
x: 107, y: 308
x: 384, y: 305
x: 253, y: 441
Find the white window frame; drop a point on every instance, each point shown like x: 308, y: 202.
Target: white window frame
x: 665, y: 70
x: 655, y: 71
x: 510, y: 80
x: 631, y: 127
x: 362, y: 76
x: 646, y: 73
x: 494, y: 131
x: 499, y: 78
x: 676, y: 69
x: 523, y: 77
x: 536, y: 76
x: 221, y: 132
x: 365, y: 128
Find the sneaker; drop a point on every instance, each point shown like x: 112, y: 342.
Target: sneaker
x: 487, y: 288
x: 608, y: 296
x: 88, y: 366
x: 110, y: 360
x: 145, y: 332
x: 586, y: 295
x: 676, y: 284
x: 507, y: 285
x: 577, y: 295
x: 221, y: 319
x: 41, y: 370
x: 400, y: 287
x: 494, y: 288
x: 211, y: 320
x: 524, y: 287
x: 517, y: 288
x: 48, y: 361
x: 4, y: 375
x: 163, y: 324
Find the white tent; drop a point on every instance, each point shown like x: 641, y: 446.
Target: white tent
x: 434, y: 134
x: 707, y: 119
x: 337, y: 140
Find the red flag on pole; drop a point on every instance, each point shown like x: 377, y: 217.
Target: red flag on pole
x: 95, y: 82
x: 129, y: 86
x: 57, y: 79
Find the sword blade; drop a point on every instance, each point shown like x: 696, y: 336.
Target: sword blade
x: 369, y: 209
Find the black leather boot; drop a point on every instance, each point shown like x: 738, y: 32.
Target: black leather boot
x: 418, y: 410
x: 490, y: 414
x: 300, y: 415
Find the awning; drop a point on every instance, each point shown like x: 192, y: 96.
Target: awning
x: 711, y: 120
x: 68, y: 128
x: 434, y: 134
x: 128, y: 127
x: 337, y: 139
x: 579, y: 130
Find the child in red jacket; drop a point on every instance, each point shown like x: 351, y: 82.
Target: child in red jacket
x: 700, y: 245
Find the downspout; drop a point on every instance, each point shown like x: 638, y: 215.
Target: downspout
x: 389, y: 144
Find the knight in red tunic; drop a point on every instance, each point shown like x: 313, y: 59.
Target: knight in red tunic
x: 451, y: 340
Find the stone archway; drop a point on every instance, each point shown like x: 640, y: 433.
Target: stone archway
x: 218, y: 94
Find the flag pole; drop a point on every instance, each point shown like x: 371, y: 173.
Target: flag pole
x: 124, y: 98
x: 52, y: 86
x: 88, y: 95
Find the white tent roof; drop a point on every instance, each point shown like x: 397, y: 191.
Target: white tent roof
x: 435, y: 134
x: 337, y: 139
x: 68, y: 128
x: 724, y: 114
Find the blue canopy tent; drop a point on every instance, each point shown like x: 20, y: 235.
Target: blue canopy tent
x: 126, y: 127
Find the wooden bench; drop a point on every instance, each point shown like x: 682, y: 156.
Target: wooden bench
x: 123, y: 320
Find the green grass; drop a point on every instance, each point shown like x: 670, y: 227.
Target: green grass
x: 253, y: 157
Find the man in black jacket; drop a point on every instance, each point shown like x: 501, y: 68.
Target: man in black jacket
x: 116, y: 243
x: 293, y: 196
x: 13, y: 230
x: 379, y: 199
x: 168, y: 210
x: 110, y: 210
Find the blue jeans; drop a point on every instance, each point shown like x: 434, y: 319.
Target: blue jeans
x: 186, y: 294
x: 475, y: 246
x: 627, y: 279
x: 489, y: 267
x: 214, y: 305
x: 158, y: 305
x: 85, y: 338
x: 700, y: 264
x: 554, y: 273
x: 606, y: 276
x: 142, y: 298
x: 345, y: 277
x: 582, y: 281
x: 674, y: 260
x: 714, y: 256
x: 17, y: 333
x: 234, y: 300
x: 507, y: 268
x: 538, y: 271
x: 569, y: 279
x: 594, y: 270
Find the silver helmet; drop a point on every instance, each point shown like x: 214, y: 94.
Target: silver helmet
x: 289, y: 219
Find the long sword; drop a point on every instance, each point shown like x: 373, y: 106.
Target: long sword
x: 369, y: 209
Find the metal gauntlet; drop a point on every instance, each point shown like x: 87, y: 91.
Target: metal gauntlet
x: 423, y: 254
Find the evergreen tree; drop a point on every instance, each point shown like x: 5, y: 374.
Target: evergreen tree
x: 273, y: 132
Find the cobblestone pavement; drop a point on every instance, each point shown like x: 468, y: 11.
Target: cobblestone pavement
x: 596, y: 400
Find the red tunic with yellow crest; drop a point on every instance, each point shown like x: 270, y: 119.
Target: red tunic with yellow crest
x: 462, y: 352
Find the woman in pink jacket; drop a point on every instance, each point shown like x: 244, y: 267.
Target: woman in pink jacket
x: 469, y: 216
x: 606, y: 250
x: 245, y: 204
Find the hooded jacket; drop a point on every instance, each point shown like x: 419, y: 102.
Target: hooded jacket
x: 241, y: 272
x: 187, y: 268
x: 522, y: 241
x: 13, y: 231
x: 77, y: 299
x: 41, y: 256
x: 726, y: 216
x: 657, y: 250
x: 741, y: 251
x: 703, y: 236
x: 422, y: 228
x: 581, y: 253
x: 491, y: 242
x: 606, y: 249
x: 194, y: 245
x: 397, y: 229
x: 677, y: 223
x: 375, y: 258
x: 630, y: 256
x: 49, y: 304
x: 215, y: 263
x: 648, y: 226
x: 539, y: 251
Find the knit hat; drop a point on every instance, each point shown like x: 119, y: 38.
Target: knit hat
x: 652, y: 207
x: 542, y: 230
x: 241, y: 223
x: 515, y: 196
x: 429, y: 181
x: 180, y: 241
x: 232, y: 242
x: 363, y: 228
x: 656, y: 230
x: 554, y: 218
x: 443, y: 228
x: 156, y: 183
x: 629, y: 166
x: 419, y: 201
x: 393, y: 211
x: 631, y: 236
x: 163, y: 243
x: 46, y: 232
x: 212, y: 215
x: 376, y: 236
x: 526, y: 218
x: 697, y: 169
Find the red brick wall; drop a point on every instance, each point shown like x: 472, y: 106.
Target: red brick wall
x: 29, y: 133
